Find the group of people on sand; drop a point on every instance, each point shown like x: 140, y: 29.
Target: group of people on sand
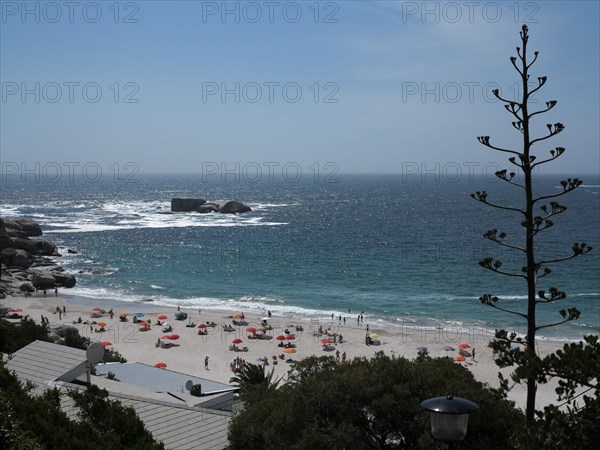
x: 237, y: 364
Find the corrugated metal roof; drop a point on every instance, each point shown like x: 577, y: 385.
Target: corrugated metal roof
x: 41, y: 362
x: 158, y: 380
x: 177, y: 427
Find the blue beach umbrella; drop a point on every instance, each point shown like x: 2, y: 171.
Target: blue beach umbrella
x: 139, y: 314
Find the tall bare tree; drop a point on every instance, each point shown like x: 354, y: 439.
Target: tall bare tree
x: 537, y: 214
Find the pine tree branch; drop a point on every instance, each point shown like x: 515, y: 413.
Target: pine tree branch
x: 553, y: 324
x: 554, y: 130
x: 549, y: 105
x: 541, y: 81
x: 507, y: 310
x: 485, y: 140
x: 482, y: 197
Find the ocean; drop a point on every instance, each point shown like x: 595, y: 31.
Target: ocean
x: 404, y: 250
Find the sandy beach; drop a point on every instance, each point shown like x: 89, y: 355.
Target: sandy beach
x: 189, y: 351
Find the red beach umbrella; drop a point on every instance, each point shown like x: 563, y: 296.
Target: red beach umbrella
x: 162, y: 317
x: 105, y: 343
x: 290, y: 337
x: 281, y: 337
x: 251, y: 329
x: 202, y: 325
x: 143, y: 324
x: 464, y: 346
x: 237, y: 341
x: 15, y: 310
x: 96, y: 309
x: 161, y: 365
x: 172, y: 337
x: 327, y: 341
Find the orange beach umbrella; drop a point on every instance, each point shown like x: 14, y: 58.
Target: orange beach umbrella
x: 459, y: 358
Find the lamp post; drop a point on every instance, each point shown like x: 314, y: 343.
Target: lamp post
x: 449, y: 417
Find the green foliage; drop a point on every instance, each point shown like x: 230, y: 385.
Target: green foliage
x: 253, y: 380
x: 14, y: 336
x: 368, y: 404
x: 115, y: 425
x: 577, y: 367
x: 37, y: 422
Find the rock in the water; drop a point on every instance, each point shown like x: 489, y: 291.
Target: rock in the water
x: 186, y: 204
x: 71, y: 251
x: 64, y: 279
x: 32, y: 228
x: 46, y: 248
x: 234, y: 207
x: 203, y: 209
x: 43, y: 281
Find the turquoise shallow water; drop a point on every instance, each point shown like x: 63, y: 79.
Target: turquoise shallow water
x: 403, y: 251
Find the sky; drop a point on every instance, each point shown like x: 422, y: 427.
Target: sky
x: 342, y: 86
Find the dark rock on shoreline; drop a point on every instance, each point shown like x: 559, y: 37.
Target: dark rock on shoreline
x: 202, y: 206
x: 25, y: 263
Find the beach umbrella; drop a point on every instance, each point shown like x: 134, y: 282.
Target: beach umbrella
x: 238, y: 316
x: 162, y: 317
x: 251, y: 329
x: 448, y: 348
x: 374, y: 336
x: 172, y: 337
x: 327, y: 341
x: 143, y: 324
x: 464, y: 346
x: 290, y: 337
x: 123, y: 314
x: 160, y: 365
x: 281, y: 337
x: 422, y: 349
x: 289, y: 350
x: 101, y: 324
x: 459, y: 358
x: 96, y: 309
x: 237, y: 341
x: 105, y: 343
x: 139, y: 314
x: 202, y: 325
x: 13, y: 310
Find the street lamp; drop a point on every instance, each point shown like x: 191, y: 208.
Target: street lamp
x: 449, y: 417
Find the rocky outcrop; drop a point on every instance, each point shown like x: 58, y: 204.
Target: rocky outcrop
x: 234, y: 207
x: 186, y: 204
x: 202, y: 206
x: 30, y: 227
x: 25, y: 262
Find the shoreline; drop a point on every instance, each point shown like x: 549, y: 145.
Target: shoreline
x: 190, y: 350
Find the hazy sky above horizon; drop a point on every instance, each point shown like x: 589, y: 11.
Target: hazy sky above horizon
x: 368, y: 86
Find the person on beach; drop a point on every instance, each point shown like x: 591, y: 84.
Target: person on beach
x: 344, y: 357
x: 473, y: 354
x: 64, y: 309
x: 206, y: 363
x: 59, y: 314
x: 56, y: 292
x: 337, y: 355
x: 44, y: 292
